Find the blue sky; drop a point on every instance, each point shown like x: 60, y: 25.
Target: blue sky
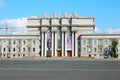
x: 106, y: 12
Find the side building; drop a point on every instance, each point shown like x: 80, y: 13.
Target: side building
x: 19, y: 46
x: 98, y: 45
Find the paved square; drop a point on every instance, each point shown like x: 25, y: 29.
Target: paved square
x: 59, y: 70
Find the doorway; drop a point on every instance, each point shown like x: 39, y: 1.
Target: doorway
x: 69, y: 53
x: 59, y: 53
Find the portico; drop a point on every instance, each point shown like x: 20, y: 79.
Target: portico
x: 59, y: 35
x: 61, y: 45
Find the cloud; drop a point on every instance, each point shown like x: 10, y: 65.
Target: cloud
x: 107, y: 31
x: 19, y: 24
x: 113, y: 31
x: 2, y: 3
x: 97, y: 30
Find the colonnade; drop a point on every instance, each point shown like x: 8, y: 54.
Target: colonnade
x: 54, y: 50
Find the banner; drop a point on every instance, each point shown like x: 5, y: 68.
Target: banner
x: 69, y: 42
x: 49, y: 41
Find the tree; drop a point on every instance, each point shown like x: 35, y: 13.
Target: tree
x: 113, y: 48
x: 0, y: 54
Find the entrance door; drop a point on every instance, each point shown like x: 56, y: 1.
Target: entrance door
x: 59, y: 53
x: 69, y: 53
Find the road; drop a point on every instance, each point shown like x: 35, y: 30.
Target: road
x: 59, y: 70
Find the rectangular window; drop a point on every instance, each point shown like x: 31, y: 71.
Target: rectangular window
x: 28, y: 49
x: 95, y: 42
x: 13, y: 49
x: 4, y: 55
x: 33, y: 49
x: 106, y: 41
x: 4, y: 49
x: 34, y: 42
x: 23, y: 55
x: 18, y: 49
x: 89, y: 41
x: 94, y: 54
x: 84, y: 41
x: 100, y: 41
x: 95, y: 49
x: 18, y: 55
x: 24, y: 42
x: 23, y: 49
x: 14, y: 42
x: 9, y: 49
x: 13, y: 55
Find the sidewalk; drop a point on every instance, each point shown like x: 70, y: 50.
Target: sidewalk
x: 62, y: 58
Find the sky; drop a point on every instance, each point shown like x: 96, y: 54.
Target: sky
x: 15, y: 12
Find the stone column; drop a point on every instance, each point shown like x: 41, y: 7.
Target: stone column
x: 76, y: 45
x: 53, y: 44
x: 42, y: 44
x: 65, y: 43
x: 45, y: 45
x: 73, y: 45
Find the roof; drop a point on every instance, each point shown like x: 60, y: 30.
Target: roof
x: 100, y: 34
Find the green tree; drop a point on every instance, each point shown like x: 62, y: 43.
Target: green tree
x: 113, y: 48
x: 0, y: 54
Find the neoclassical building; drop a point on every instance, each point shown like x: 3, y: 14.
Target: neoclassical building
x: 65, y: 36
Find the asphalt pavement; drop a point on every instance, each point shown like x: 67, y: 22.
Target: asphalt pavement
x: 59, y: 70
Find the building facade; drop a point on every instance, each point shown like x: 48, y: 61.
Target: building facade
x: 98, y: 45
x: 59, y: 36
x: 65, y: 36
x: 19, y: 46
